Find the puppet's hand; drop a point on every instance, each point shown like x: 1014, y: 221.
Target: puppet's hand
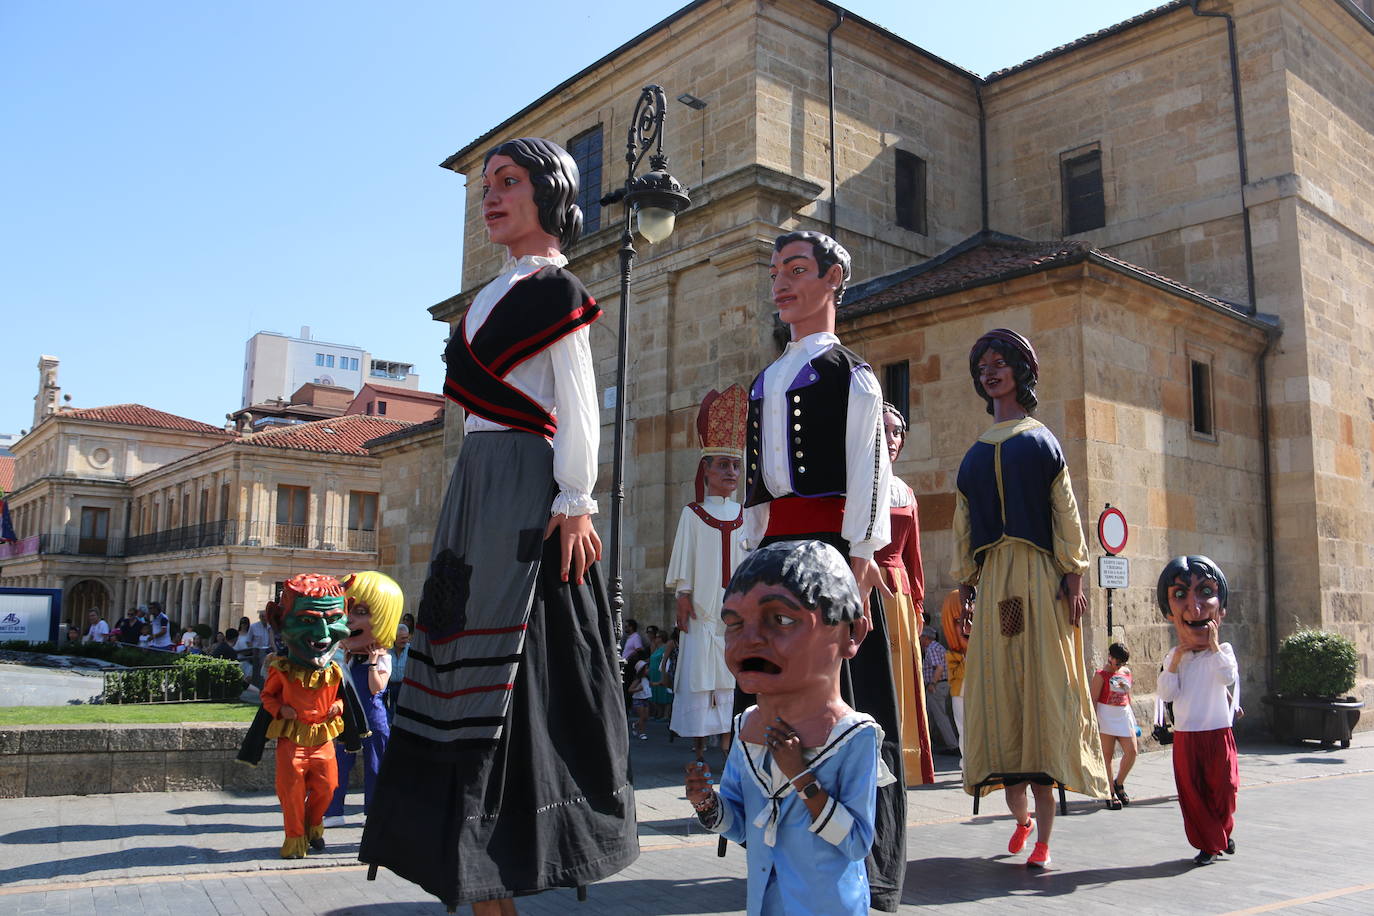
x: 684, y: 611
x: 868, y: 577
x: 336, y: 710
x: 579, y: 544
x: 785, y: 746
x: 698, y: 783
x: 1213, y: 644
x: 287, y: 712
x: 1071, y: 588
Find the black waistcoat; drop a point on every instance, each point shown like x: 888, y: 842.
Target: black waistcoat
x: 817, y: 417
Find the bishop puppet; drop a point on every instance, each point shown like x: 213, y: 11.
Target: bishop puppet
x: 706, y: 550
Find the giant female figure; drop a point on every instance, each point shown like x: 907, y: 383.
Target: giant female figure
x: 507, y: 771
x: 1018, y: 539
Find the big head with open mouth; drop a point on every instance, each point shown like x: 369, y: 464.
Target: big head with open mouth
x: 1192, y: 594
x: 792, y: 612
x: 310, y: 618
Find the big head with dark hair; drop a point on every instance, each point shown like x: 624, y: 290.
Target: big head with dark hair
x: 1018, y: 353
x: 826, y: 251
x: 556, y: 179
x: 812, y: 570
x: 1192, y: 595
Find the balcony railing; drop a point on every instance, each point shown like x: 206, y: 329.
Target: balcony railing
x: 253, y: 534
x: 76, y: 545
x: 20, y: 548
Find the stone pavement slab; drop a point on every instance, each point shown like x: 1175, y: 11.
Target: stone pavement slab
x: 1302, y: 832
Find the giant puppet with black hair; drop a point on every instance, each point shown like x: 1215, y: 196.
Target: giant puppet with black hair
x: 816, y: 467
x: 1028, y: 716
x: 507, y: 768
x: 800, y: 785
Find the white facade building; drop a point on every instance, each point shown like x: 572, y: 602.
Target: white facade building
x: 276, y: 365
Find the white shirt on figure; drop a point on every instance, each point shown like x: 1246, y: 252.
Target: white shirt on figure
x: 562, y: 380
x: 1198, y: 689
x: 865, y: 533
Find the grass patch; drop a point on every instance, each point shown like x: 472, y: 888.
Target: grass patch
x: 127, y: 715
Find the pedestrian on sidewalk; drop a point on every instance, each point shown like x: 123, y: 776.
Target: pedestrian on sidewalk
x: 1197, y: 673
x: 936, y: 676
x: 1111, y: 688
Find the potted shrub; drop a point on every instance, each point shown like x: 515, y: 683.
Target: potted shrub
x: 1315, y: 674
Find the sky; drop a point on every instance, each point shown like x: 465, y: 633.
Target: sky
x: 177, y: 176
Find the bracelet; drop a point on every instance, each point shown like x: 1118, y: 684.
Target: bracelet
x: 707, y: 806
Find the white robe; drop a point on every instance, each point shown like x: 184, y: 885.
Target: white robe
x: 703, y: 695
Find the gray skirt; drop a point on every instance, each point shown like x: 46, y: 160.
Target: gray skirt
x: 507, y: 772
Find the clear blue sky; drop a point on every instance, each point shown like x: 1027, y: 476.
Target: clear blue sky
x: 176, y: 176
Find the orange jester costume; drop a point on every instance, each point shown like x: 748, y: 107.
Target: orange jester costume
x: 306, y: 703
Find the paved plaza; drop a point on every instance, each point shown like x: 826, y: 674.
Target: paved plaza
x: 1303, y: 840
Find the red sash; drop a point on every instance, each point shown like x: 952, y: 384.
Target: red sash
x: 789, y: 516
x: 724, y: 528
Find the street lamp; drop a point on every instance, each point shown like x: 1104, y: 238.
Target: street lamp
x: 655, y: 198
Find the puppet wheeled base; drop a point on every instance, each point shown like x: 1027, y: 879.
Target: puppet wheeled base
x: 1010, y: 779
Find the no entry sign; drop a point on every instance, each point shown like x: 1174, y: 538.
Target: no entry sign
x: 1112, y: 530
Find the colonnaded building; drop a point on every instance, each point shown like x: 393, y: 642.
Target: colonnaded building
x: 1177, y: 210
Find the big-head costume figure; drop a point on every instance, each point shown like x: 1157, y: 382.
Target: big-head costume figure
x: 799, y: 787
x: 707, y: 548
x: 305, y: 695
x: 1201, y: 678
x: 817, y: 468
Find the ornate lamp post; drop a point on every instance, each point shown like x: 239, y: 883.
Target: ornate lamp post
x: 654, y: 199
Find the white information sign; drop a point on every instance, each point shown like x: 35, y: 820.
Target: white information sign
x: 25, y: 616
x: 1113, y: 572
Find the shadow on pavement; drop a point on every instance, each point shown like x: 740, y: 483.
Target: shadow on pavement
x: 928, y: 880
x: 162, y: 857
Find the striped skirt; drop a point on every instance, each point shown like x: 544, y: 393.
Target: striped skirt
x: 507, y: 771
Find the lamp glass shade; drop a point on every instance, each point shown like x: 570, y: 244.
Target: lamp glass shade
x: 655, y: 223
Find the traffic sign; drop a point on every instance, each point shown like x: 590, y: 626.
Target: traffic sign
x: 1112, y: 530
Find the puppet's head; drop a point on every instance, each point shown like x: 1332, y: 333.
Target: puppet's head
x: 374, y: 603
x: 1192, y: 594
x: 809, y: 272
x: 894, y: 430
x: 956, y: 619
x: 1021, y: 363
x: 792, y: 612
x: 310, y: 618
x: 720, y: 429
x: 555, y: 177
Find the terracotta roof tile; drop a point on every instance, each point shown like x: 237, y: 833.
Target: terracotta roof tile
x: 138, y: 415
x: 988, y: 257
x: 393, y: 391
x: 7, y: 463
x: 344, y: 435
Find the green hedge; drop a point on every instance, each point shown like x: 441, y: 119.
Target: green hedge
x: 189, y: 678
x: 115, y: 653
x: 1315, y: 663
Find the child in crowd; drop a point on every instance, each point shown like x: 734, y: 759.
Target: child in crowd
x: 800, y: 784
x: 145, y: 636
x: 640, y: 691
x: 1111, y: 688
x: 1192, y: 594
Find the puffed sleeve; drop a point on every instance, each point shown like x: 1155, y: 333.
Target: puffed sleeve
x: 867, y: 516
x: 965, y: 568
x: 578, y: 436
x: 1070, y: 549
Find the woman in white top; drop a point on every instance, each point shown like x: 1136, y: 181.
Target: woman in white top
x: 507, y: 768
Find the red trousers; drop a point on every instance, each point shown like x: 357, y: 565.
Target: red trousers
x: 1208, y: 778
x: 306, y: 779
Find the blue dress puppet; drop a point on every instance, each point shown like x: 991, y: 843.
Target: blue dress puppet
x: 799, y: 787
x: 374, y: 603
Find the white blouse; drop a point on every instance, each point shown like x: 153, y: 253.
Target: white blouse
x: 559, y: 379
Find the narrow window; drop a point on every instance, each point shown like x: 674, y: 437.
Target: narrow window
x: 381, y: 408
x: 319, y: 359
x: 293, y: 504
x: 329, y: 361
x: 95, y: 531
x: 897, y: 387
x: 585, y: 149
x: 1084, y: 206
x: 911, y: 192
x: 362, y: 520
x: 1202, y: 398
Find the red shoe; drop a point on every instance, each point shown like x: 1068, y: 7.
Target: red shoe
x: 1040, y: 856
x: 1018, y: 837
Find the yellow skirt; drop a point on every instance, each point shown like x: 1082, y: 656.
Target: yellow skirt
x: 1026, y: 703
x: 903, y: 633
